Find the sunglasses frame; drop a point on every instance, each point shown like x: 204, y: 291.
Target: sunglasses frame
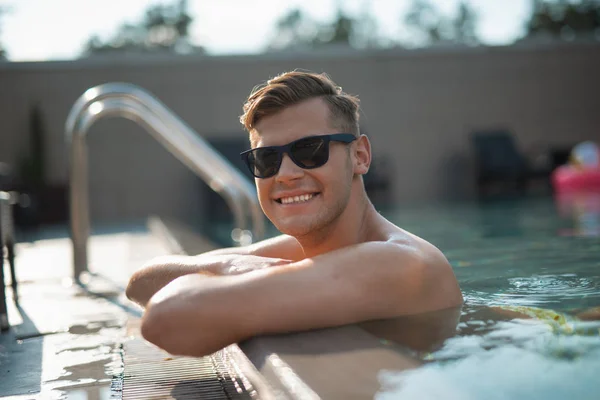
x: 287, y: 149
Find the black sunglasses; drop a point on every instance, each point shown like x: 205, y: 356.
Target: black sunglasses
x: 308, y: 152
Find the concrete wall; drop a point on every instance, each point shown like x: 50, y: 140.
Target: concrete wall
x: 419, y: 108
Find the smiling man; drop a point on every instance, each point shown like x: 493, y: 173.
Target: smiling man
x: 338, y: 260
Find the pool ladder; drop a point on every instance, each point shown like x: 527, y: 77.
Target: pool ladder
x: 132, y: 102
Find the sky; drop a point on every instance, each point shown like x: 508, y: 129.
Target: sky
x: 41, y: 30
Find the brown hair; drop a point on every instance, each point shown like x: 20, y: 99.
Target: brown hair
x: 294, y: 87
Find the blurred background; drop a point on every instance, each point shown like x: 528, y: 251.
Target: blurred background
x: 462, y: 100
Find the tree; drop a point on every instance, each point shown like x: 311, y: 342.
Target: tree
x: 164, y: 28
x: 344, y: 30
x: 425, y: 22
x: 340, y: 31
x: 564, y: 19
x: 3, y: 54
x: 465, y: 25
x: 429, y: 26
x: 296, y: 30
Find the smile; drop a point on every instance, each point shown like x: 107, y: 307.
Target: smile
x: 296, y: 199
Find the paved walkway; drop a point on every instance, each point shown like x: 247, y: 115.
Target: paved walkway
x: 65, y: 339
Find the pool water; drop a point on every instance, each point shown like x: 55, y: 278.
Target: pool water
x: 513, y: 253
x: 527, y: 269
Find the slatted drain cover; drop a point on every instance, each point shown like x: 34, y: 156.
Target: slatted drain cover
x: 150, y: 373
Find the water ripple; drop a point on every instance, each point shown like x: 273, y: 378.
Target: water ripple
x: 549, y: 289
x: 563, y: 292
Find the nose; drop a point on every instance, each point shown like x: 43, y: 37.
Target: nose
x: 288, y: 171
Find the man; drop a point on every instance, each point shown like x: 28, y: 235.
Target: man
x: 337, y: 262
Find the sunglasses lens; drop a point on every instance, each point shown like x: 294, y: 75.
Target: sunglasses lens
x: 264, y: 162
x: 310, y: 152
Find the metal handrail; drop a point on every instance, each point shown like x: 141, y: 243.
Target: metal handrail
x: 132, y: 102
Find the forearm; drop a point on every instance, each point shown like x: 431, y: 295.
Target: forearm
x: 145, y: 282
x: 159, y: 272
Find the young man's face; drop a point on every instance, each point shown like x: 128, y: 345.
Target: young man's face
x: 299, y: 201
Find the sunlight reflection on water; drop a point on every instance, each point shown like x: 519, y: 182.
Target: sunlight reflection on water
x: 515, y: 360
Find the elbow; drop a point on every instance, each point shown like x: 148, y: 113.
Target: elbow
x: 179, y: 324
x: 155, y: 330
x: 184, y: 319
x: 172, y: 332
x: 160, y: 328
x: 130, y: 290
x: 133, y: 291
x: 142, y: 284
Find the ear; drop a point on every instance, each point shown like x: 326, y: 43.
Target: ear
x: 362, y: 155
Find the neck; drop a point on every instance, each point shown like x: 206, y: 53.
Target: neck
x: 355, y: 225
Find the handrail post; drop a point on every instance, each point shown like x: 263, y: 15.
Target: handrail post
x: 79, y: 204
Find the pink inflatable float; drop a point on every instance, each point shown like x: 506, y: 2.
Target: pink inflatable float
x: 582, y: 173
x: 567, y: 178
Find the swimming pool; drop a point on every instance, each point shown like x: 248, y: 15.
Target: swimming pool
x: 525, y: 268
x: 507, y: 256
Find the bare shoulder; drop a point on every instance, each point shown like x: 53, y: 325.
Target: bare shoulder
x: 431, y: 268
x: 413, y: 244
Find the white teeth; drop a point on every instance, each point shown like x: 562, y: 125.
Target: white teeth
x: 296, y: 199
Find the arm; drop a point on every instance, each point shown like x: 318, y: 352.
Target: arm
x: 282, y: 246
x: 157, y: 273
x: 197, y: 315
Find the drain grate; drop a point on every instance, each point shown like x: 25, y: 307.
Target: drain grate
x: 150, y: 373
